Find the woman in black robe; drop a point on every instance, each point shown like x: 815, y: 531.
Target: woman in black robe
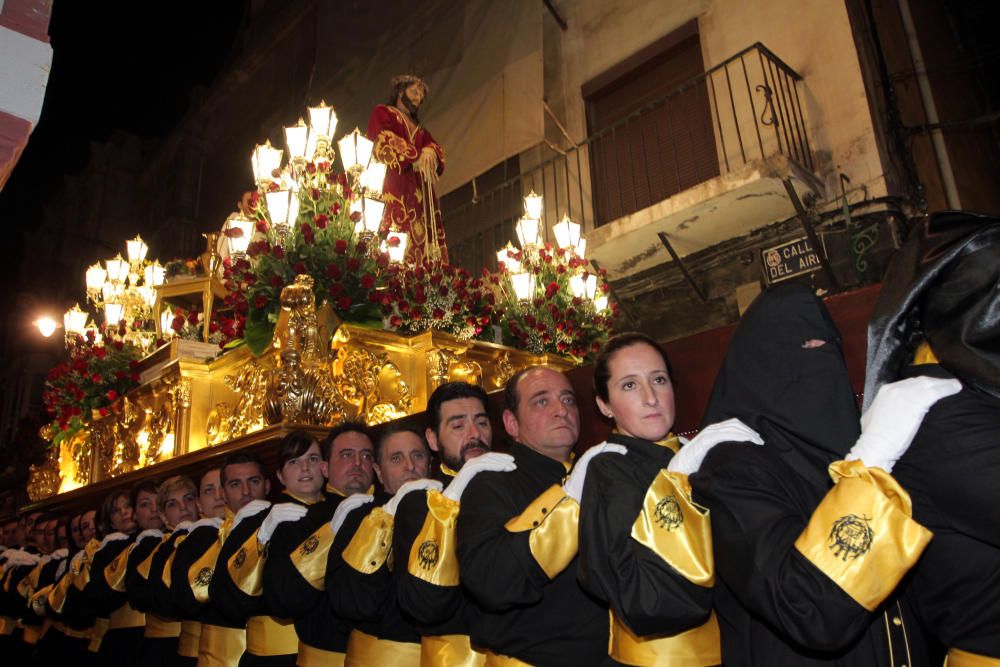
x: 806, y: 567
x: 645, y: 548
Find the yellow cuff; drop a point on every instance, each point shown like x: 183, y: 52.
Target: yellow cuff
x: 862, y: 535
x: 114, y: 573
x: 552, y: 520
x: 309, y: 558
x: 432, y: 555
x: 246, y: 566
x: 677, y: 530
x: 369, y: 548
x: 696, y: 647
x: 959, y: 658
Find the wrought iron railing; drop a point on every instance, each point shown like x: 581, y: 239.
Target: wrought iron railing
x: 745, y: 109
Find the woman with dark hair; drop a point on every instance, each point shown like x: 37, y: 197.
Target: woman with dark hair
x: 807, y: 567
x: 236, y: 588
x: 645, y: 548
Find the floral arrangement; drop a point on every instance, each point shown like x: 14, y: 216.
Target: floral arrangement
x: 98, y: 372
x: 347, y: 268
x: 182, y: 267
x: 563, y: 307
x: 224, y: 329
x: 439, y: 296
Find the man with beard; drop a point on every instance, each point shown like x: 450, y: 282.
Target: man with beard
x: 358, y: 581
x: 414, y: 162
x: 937, y: 315
x: 298, y: 550
x: 517, y: 536
x: 243, y: 481
x: 426, y: 570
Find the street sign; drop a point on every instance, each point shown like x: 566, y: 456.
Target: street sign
x: 790, y: 259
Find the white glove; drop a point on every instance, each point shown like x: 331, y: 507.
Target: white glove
x: 346, y: 506
x: 149, y: 532
x: 77, y: 557
x: 489, y: 462
x: 692, y: 453
x: 61, y: 570
x: 112, y: 537
x: 574, y: 485
x: 413, y: 485
x: 183, y: 525
x: 60, y: 553
x: 894, y: 417
x: 280, y: 513
x: 19, y: 557
x: 250, y: 509
x: 212, y: 521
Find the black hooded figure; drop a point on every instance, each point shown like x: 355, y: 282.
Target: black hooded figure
x: 805, y: 568
x: 938, y: 314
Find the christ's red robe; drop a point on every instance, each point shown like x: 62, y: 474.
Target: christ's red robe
x: 398, y: 146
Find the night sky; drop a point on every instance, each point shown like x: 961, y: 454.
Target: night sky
x: 116, y: 66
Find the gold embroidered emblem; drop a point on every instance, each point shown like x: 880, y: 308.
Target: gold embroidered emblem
x: 204, y: 577
x: 851, y: 536
x: 241, y: 558
x: 428, y: 554
x: 309, y: 545
x: 668, y: 513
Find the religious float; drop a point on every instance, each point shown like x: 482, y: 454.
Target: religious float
x: 302, y: 312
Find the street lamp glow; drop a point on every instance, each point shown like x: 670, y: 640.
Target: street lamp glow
x: 46, y: 325
x: 533, y: 206
x: 296, y: 138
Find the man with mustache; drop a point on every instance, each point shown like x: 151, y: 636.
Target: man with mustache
x: 426, y: 572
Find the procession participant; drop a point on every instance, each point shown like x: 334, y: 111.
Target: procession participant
x: 25, y: 581
x: 298, y: 550
x: 358, y: 581
x: 237, y: 586
x: 176, y: 502
x: 426, y: 568
x: 8, y: 534
x: 222, y: 643
x: 77, y: 632
x: 120, y: 645
x: 517, y: 536
x: 806, y: 569
x: 938, y: 309
x: 16, y: 564
x: 62, y: 645
x: 414, y: 162
x: 206, y: 507
x: 645, y: 547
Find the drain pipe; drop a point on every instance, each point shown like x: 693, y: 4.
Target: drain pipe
x: 930, y: 109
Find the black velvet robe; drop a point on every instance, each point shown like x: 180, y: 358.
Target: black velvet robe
x: 517, y: 611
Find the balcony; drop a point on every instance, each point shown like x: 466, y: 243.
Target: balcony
x: 704, y: 163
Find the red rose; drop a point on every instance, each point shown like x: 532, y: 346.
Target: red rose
x: 177, y: 323
x: 260, y: 302
x: 367, y: 281
x: 336, y: 289
x: 315, y: 193
x: 276, y: 281
x: 193, y: 317
x: 311, y: 168
x: 334, y: 271
x: 335, y: 208
x: 299, y: 267
x: 343, y: 303
x: 262, y: 226
x: 278, y: 252
x: 97, y: 378
x: 395, y: 321
x: 103, y: 412
x: 353, y: 264
x: 438, y: 314
x: 112, y: 395
x: 321, y: 221
x: 356, y: 216
x: 340, y: 247
x: 392, y: 242
x: 551, y: 289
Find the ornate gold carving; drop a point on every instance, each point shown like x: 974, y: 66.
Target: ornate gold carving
x: 250, y: 383
x: 43, y: 480
x: 504, y: 370
x: 301, y: 395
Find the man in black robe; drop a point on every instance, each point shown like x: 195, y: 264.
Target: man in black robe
x: 517, y: 536
x: 938, y: 314
x: 426, y: 573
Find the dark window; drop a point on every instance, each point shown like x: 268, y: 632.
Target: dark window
x: 645, y: 156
